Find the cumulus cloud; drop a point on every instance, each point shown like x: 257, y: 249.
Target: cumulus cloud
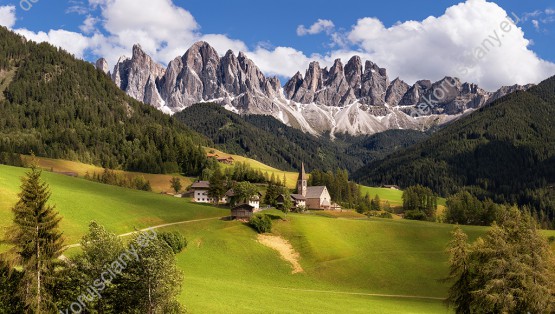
x: 316, y: 28
x: 89, y: 25
x: 7, y: 16
x: 475, y: 41
x: 72, y: 42
x: 281, y: 61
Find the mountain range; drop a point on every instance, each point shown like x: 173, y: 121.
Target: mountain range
x: 355, y: 98
x: 505, y: 151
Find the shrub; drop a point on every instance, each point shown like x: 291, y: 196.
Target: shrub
x: 261, y: 223
x: 415, y: 215
x: 387, y: 215
x: 551, y: 239
x: 299, y: 209
x: 380, y: 214
x: 175, y: 240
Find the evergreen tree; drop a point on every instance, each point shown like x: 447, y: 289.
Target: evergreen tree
x: 376, y: 203
x: 36, y: 243
x: 510, y: 270
x: 460, y: 296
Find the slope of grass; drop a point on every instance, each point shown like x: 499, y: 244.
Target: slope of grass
x: 347, y: 262
x: 159, y: 182
x: 228, y: 271
x: 121, y: 210
x: 256, y: 165
x: 395, y: 197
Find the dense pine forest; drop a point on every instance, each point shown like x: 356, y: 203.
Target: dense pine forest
x: 59, y: 107
x: 505, y: 152
x: 268, y: 140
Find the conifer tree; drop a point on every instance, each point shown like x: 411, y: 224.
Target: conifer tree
x: 36, y: 243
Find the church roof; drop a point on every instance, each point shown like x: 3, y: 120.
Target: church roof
x: 315, y: 191
x: 302, y: 173
x: 298, y: 197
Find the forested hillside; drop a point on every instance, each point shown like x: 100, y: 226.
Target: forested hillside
x: 505, y: 151
x: 57, y: 106
x: 270, y: 141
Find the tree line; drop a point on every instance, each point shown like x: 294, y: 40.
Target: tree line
x: 59, y: 107
x: 504, y: 152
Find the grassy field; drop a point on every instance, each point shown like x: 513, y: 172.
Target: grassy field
x: 346, y: 262
x: 350, y: 264
x: 395, y: 197
x: 159, y: 182
x: 121, y: 210
x: 290, y: 176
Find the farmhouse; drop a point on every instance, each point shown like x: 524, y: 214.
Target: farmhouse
x: 200, y: 193
x: 315, y: 197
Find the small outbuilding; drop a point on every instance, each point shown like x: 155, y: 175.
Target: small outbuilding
x: 242, y: 211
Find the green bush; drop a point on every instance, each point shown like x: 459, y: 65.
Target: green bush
x: 175, y: 240
x: 261, y: 223
x: 415, y: 215
x: 299, y: 209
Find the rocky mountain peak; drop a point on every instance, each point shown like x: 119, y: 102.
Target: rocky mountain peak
x: 199, y: 75
x: 102, y: 65
x: 356, y: 98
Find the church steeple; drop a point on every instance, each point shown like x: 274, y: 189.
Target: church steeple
x: 302, y: 181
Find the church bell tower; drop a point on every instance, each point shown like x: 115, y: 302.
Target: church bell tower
x: 302, y: 181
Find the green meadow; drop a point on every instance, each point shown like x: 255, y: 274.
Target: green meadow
x: 121, y: 210
x: 350, y: 265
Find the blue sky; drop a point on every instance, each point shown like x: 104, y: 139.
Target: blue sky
x: 398, y: 35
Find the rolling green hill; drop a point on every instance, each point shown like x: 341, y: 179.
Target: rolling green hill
x: 121, y: 210
x: 363, y: 265
x: 505, y: 151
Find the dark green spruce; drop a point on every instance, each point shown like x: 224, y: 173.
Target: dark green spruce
x: 35, y: 244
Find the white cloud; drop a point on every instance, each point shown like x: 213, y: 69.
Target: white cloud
x: 412, y: 50
x: 281, y: 61
x: 452, y: 44
x: 316, y: 28
x: 536, y: 24
x: 89, y: 25
x: 7, y: 16
x: 72, y: 42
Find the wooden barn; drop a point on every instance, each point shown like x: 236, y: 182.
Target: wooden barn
x: 242, y: 211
